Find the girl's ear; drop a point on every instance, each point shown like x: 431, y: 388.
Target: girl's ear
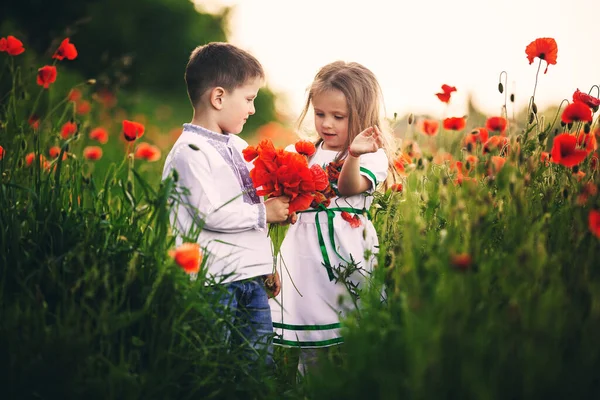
x: 216, y: 97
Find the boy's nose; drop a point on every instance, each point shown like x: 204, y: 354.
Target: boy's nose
x: 252, y: 110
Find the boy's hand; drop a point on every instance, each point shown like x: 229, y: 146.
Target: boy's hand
x: 273, y: 284
x: 278, y: 209
x: 368, y: 141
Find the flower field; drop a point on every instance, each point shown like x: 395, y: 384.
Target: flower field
x: 489, y: 257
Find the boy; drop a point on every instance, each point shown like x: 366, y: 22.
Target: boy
x: 222, y: 83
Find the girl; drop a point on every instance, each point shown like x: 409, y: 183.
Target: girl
x: 332, y: 247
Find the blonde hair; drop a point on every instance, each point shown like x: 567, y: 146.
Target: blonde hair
x: 363, y: 99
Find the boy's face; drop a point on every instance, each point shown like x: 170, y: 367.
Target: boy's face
x: 238, y: 105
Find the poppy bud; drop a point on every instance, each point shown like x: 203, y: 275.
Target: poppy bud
x: 469, y: 147
x: 23, y: 144
x: 541, y: 137
x: 444, y: 181
x: 512, y: 98
x: 85, y: 179
x: 193, y: 147
x: 587, y: 127
x: 500, y: 87
x: 576, y: 169
x: 395, y: 115
x: 129, y: 186
x: 569, y: 125
x: 175, y: 175
x: 410, y: 119
x: 565, y: 193
x: 531, y: 117
x: 103, y: 216
x: 595, y: 109
x: 534, y: 107
x: 562, y: 124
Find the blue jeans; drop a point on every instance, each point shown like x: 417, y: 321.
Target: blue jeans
x: 248, y: 304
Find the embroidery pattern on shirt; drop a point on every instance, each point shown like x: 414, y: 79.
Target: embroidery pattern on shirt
x: 233, y: 159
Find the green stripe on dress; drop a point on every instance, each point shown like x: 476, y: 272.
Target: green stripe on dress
x: 320, y: 343
x: 370, y: 175
x: 307, y: 327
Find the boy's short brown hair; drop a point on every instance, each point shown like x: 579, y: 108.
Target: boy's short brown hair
x: 219, y: 64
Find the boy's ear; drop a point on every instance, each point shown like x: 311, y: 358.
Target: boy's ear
x: 216, y: 97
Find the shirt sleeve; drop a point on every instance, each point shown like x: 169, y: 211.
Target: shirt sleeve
x: 374, y: 166
x: 204, y: 200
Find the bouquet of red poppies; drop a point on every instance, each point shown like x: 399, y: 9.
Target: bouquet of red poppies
x: 278, y: 172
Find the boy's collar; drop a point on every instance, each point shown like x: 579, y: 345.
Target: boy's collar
x: 207, y: 133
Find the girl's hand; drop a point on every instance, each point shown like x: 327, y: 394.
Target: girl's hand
x: 368, y: 141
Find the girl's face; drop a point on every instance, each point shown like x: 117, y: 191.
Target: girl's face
x: 331, y: 119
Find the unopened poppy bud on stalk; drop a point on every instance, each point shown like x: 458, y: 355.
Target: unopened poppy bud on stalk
x: 500, y: 87
x: 534, y: 108
x: 410, y: 119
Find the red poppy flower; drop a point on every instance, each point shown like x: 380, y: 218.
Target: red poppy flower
x: 83, y: 107
x: 68, y: 130
x: 250, y: 153
x: 132, y: 130
x: 565, y: 151
x: 455, y: 124
x: 496, y: 164
x: 92, y: 153
x: 461, y: 262
x: 99, y: 134
x: 11, y: 45
x: 319, y: 177
x: 496, y: 124
x: 401, y: 162
x: 188, y: 256
x: 545, y: 157
x: 74, y: 95
x: 147, y: 152
x: 458, y: 166
x: 447, y: 90
x: 590, y: 101
x: 30, y: 158
x: 34, y: 122
x: 545, y: 49
x: 1, y: 152
x: 46, y: 76
x: 594, y: 222
x: 576, y: 111
x: 397, y: 187
x: 353, y: 220
x: 499, y: 143
x: 54, y: 152
x: 65, y: 50
x: 429, y: 127
x: 478, y: 135
x: 305, y: 148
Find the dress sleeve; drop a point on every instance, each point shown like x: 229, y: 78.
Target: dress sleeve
x: 204, y: 200
x: 374, y: 166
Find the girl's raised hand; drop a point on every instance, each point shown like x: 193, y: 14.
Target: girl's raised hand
x: 368, y: 141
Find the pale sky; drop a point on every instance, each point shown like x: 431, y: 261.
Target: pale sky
x: 415, y: 47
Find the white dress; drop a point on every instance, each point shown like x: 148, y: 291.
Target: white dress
x: 307, y: 311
